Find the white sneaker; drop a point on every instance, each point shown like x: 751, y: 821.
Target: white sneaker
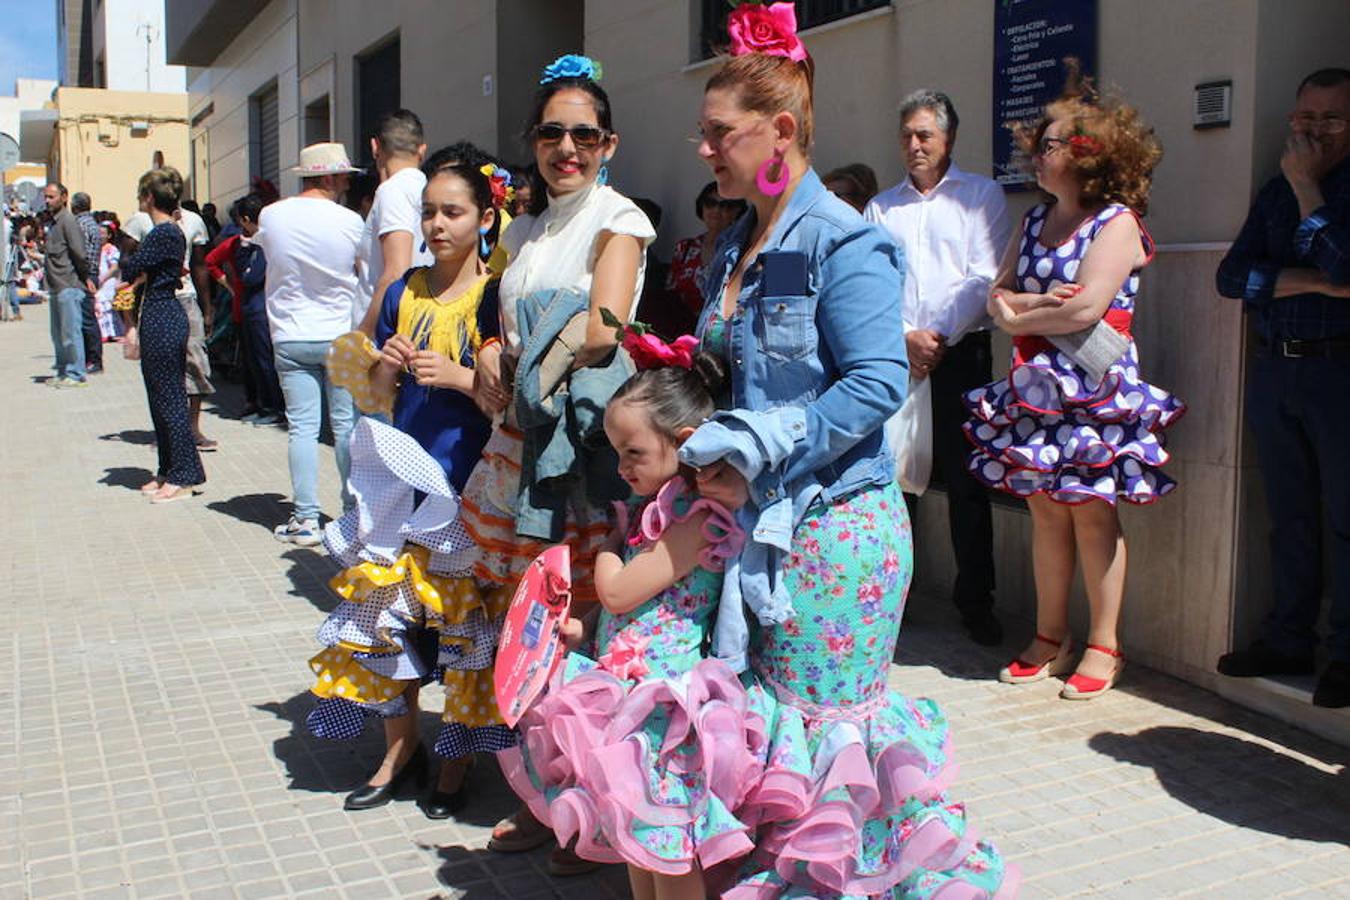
x: 301, y: 532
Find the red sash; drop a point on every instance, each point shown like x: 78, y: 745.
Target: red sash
x: 1028, y: 345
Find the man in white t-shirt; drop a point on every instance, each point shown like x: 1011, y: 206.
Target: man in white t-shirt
x: 392, y: 242
x: 953, y: 226
x: 311, y: 243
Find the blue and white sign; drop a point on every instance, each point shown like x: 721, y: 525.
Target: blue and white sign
x: 1031, y: 40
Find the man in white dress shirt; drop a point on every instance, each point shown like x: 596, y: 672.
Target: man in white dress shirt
x: 953, y: 226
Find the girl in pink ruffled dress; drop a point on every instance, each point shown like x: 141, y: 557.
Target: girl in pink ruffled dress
x: 641, y: 755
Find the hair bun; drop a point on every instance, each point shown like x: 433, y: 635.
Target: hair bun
x: 712, y: 373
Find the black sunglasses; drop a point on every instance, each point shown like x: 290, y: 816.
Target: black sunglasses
x: 586, y: 137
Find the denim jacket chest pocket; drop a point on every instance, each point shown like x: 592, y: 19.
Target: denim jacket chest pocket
x: 785, y: 325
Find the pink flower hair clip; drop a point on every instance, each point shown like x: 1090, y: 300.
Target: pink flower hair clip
x: 647, y: 349
x: 769, y: 28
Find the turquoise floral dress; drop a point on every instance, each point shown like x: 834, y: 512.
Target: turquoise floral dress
x: 641, y: 751
x: 850, y: 790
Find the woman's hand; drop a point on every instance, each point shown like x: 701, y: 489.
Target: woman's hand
x: 721, y: 483
x: 397, y: 353
x: 489, y: 393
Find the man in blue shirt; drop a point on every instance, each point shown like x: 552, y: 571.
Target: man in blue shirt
x: 1290, y: 265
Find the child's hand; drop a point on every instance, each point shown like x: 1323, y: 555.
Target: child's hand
x: 431, y: 369
x: 722, y: 484
x: 397, y: 352
x: 573, y: 634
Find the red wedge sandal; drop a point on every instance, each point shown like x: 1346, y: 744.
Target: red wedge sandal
x: 1081, y: 687
x: 1019, y: 672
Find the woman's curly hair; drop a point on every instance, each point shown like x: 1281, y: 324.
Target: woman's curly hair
x: 1112, y: 151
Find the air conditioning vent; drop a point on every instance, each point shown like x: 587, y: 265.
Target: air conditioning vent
x: 1214, y: 104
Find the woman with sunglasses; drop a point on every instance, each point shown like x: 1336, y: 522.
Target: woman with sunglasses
x: 1071, y: 436
x: 578, y: 235
x: 689, y: 261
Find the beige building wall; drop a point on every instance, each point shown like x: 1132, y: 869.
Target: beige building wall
x: 101, y: 148
x: 1193, y: 555
x: 468, y: 69
x: 265, y: 52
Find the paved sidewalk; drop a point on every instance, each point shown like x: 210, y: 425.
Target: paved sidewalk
x: 152, y: 706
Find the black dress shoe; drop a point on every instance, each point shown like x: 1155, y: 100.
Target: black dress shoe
x: 983, y: 627
x: 1260, y: 659
x: 370, y: 796
x: 1333, y: 688
x: 443, y: 805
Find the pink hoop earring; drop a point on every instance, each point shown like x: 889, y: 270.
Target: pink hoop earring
x: 769, y: 185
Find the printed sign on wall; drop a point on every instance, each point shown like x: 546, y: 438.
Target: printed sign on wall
x: 1031, y: 40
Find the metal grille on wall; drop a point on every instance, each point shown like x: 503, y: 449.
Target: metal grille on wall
x: 810, y: 13
x: 378, y: 93
x: 265, y: 134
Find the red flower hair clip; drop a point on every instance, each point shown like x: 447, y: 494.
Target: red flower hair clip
x: 647, y: 349
x: 765, y: 28
x: 1081, y: 145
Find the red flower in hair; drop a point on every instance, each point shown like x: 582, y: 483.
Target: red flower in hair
x: 1081, y: 145
x: 650, y: 352
x: 770, y: 29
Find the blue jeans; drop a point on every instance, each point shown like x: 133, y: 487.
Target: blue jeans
x: 67, y: 317
x: 304, y: 381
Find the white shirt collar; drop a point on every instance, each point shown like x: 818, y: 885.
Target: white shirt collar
x: 952, y: 175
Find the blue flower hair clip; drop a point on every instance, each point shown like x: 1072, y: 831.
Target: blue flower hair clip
x: 572, y: 65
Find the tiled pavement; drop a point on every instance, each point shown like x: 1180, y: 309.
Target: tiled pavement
x: 154, y: 690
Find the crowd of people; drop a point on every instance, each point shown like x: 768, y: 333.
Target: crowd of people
x: 501, y: 375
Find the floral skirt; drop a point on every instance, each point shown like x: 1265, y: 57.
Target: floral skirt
x: 1045, y: 429
x: 644, y: 772
x: 851, y: 799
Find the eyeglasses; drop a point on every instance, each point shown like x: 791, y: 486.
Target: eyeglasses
x: 585, y: 137
x: 1325, y: 124
x: 1048, y: 145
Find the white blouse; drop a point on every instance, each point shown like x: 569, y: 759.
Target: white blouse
x: 557, y: 248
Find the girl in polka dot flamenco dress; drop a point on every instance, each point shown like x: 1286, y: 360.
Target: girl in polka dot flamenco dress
x: 403, y: 619
x: 1069, y: 443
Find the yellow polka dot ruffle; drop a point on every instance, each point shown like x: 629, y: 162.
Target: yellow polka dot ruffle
x: 349, y: 361
x: 470, y: 698
x: 444, y: 599
x: 339, y: 675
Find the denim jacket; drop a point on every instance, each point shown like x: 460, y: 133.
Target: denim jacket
x: 561, y: 414
x: 818, y: 329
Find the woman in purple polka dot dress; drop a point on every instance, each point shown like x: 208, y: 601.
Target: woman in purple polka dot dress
x: 1071, y: 435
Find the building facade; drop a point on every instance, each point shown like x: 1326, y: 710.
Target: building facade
x: 1198, y: 572
x: 115, y: 44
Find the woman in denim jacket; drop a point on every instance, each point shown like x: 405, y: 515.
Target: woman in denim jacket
x: 803, y: 299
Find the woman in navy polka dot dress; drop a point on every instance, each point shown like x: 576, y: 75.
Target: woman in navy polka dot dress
x: 163, y: 333
x: 1071, y: 439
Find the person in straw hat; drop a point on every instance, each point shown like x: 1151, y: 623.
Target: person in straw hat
x: 311, y: 242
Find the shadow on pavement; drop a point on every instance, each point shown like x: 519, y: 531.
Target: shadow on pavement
x: 1241, y: 782
x: 265, y: 510
x: 137, y: 436
x: 129, y: 477
x: 481, y: 873
x: 309, y: 573
x: 42, y: 379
